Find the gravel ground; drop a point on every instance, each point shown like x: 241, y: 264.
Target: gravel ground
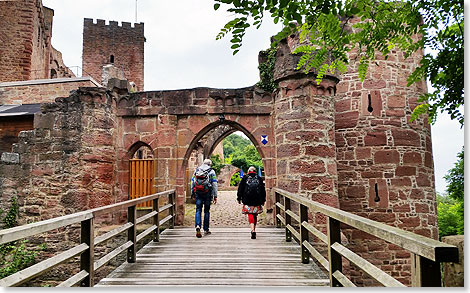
x: 226, y: 213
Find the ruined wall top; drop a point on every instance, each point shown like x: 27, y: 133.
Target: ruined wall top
x: 286, y: 61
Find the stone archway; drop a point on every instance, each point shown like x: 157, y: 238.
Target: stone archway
x: 253, y: 124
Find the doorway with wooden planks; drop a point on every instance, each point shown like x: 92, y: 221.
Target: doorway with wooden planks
x: 142, y: 170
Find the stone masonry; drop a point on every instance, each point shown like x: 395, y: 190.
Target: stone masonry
x: 122, y: 46
x: 41, y: 91
x: 345, y: 143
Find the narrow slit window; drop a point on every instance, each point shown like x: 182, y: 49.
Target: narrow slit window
x: 377, y: 198
x: 111, y: 59
x: 369, y: 107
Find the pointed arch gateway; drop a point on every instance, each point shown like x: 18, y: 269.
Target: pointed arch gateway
x: 212, y: 133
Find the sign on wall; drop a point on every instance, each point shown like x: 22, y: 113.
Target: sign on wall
x: 264, y: 139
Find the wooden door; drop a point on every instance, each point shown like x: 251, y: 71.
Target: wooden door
x: 142, y: 177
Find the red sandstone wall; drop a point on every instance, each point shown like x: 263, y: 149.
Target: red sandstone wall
x: 25, y: 33
x: 172, y: 123
x: 124, y: 42
x: 40, y: 91
x: 382, y: 147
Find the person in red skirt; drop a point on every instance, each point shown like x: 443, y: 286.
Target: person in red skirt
x: 252, y: 193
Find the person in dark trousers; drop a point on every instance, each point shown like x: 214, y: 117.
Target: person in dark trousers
x: 252, y: 193
x: 204, y: 190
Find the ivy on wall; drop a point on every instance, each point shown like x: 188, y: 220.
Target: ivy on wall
x: 266, y: 71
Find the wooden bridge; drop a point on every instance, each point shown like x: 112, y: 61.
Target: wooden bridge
x: 175, y: 257
x: 227, y: 257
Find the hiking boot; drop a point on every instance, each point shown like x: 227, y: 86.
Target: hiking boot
x: 253, y: 235
x: 207, y: 232
x: 198, y: 232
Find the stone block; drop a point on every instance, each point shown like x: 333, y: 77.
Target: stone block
x: 307, y: 167
x: 346, y: 120
x: 376, y: 138
x: 387, y: 157
x: 10, y: 158
x: 404, y: 137
x: 405, y: 171
x: 288, y: 150
x: 454, y: 272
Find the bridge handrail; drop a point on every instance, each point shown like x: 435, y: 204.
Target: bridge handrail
x: 88, y: 241
x: 427, y: 252
x: 24, y: 231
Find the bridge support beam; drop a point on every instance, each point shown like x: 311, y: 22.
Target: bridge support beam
x: 87, y: 260
x: 334, y: 258
x: 425, y: 272
x: 288, y: 219
x: 305, y: 254
x: 131, y: 233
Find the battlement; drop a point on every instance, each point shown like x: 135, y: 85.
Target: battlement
x: 120, y: 44
x: 101, y: 23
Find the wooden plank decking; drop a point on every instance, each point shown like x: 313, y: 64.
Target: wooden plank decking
x: 227, y: 257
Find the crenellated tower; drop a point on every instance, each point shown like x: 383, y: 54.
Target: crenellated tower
x: 118, y: 45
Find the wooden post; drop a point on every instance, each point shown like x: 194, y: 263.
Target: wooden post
x: 305, y: 254
x: 87, y: 260
x: 424, y: 272
x: 277, y: 210
x: 156, y: 221
x: 334, y: 258
x: 131, y: 233
x: 288, y: 218
x: 171, y: 199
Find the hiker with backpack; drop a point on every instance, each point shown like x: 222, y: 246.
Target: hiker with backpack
x: 252, y: 194
x: 204, y: 190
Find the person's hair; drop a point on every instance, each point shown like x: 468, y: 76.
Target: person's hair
x: 207, y: 162
x: 252, y: 168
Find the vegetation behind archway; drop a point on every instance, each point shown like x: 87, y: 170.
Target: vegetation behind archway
x: 239, y: 152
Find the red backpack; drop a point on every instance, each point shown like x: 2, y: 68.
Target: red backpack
x: 202, y: 182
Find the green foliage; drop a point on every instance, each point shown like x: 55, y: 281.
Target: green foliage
x: 234, y: 143
x: 266, y: 70
x: 242, y: 154
x: 15, y: 256
x: 450, y: 209
x: 235, y: 179
x: 217, y: 163
x: 450, y: 216
x: 386, y: 26
x: 10, y: 219
x: 455, y: 179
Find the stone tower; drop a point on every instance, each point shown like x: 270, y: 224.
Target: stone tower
x: 121, y: 46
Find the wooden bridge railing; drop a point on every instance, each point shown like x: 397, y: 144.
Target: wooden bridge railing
x: 426, y: 253
x: 85, y: 249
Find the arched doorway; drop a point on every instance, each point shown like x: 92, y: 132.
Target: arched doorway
x: 142, y: 168
x: 208, y: 138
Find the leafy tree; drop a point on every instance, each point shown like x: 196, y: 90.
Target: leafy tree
x: 455, y: 178
x: 235, y: 180
x: 234, y: 143
x: 409, y: 26
x: 450, y: 218
x: 217, y: 163
x: 241, y: 153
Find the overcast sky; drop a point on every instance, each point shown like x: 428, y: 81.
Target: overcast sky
x: 181, y: 52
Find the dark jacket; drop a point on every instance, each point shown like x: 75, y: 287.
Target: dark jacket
x: 259, y: 199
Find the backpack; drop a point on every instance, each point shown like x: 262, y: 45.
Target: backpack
x: 252, y: 186
x: 202, y: 184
